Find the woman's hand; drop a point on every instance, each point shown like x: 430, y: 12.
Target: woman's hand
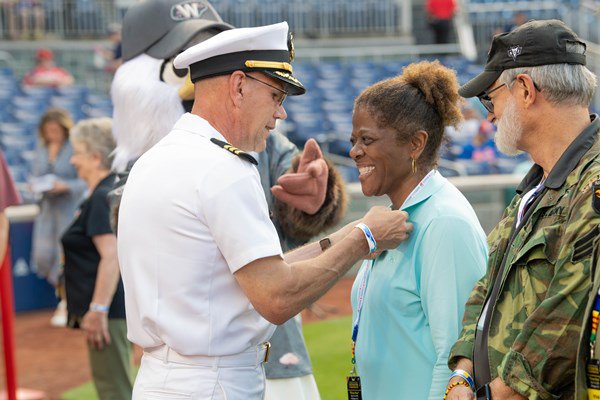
x: 59, y: 188
x: 95, y: 324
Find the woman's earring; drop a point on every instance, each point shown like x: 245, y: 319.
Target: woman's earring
x: 414, y: 166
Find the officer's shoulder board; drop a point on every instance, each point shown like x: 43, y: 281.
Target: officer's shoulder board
x: 241, y: 154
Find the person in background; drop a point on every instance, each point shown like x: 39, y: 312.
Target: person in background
x: 95, y: 299
x: 8, y: 14
x: 482, y: 150
x: 46, y: 73
x: 56, y: 181
x: 9, y: 196
x: 31, y: 10
x: 110, y: 58
x: 407, y: 302
x: 440, y: 14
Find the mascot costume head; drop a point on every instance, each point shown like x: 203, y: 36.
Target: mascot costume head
x: 148, y: 93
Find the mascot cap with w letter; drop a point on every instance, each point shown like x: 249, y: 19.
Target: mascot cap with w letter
x: 162, y: 28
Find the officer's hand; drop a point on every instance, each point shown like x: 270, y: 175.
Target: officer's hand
x: 461, y: 392
x: 95, y: 324
x: 306, y: 188
x: 388, y: 227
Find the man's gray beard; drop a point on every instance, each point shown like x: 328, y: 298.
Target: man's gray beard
x: 509, y: 130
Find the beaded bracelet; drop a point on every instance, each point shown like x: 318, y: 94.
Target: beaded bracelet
x: 464, y: 375
x: 453, y: 385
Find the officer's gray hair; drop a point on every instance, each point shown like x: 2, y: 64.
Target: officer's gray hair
x: 561, y: 84
x: 96, y: 135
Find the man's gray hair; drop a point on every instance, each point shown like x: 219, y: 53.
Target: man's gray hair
x: 96, y: 135
x: 561, y: 84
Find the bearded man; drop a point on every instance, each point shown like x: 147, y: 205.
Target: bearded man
x: 523, y: 318
x: 304, y: 192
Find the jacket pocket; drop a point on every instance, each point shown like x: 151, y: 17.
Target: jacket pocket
x: 534, y: 270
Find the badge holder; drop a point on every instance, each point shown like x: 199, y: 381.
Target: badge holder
x: 352, y: 380
x: 353, y: 385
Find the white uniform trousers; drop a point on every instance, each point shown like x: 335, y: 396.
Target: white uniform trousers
x: 165, y: 374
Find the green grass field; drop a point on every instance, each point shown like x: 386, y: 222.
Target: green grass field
x: 328, y: 343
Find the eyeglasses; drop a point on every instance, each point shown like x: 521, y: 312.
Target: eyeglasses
x: 283, y: 94
x: 487, y: 101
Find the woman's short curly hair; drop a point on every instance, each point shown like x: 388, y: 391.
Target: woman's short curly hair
x: 425, y: 97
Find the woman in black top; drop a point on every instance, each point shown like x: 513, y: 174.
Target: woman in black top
x: 95, y: 300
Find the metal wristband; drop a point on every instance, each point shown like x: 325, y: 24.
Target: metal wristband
x: 369, y: 236
x: 101, y: 308
x: 464, y: 375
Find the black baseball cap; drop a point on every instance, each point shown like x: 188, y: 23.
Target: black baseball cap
x: 163, y: 28
x: 534, y: 43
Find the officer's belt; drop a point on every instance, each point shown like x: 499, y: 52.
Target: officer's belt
x: 250, y: 358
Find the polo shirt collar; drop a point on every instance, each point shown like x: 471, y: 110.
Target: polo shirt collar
x: 566, y: 163
x: 435, y: 183
x: 197, y: 125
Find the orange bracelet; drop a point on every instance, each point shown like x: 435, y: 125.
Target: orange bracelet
x: 453, y: 385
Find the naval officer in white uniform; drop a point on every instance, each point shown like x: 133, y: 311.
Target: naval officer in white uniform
x: 204, y: 275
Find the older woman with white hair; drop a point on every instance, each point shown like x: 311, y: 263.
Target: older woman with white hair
x: 95, y: 299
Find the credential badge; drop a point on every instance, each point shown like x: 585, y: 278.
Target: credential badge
x: 514, y: 52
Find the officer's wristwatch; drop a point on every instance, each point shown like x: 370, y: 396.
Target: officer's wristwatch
x: 325, y: 243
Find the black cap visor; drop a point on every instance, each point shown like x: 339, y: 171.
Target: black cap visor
x: 479, y: 84
x: 292, y: 85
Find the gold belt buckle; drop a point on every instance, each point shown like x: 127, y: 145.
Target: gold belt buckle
x: 267, y: 352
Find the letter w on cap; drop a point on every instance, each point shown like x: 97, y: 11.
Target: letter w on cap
x: 187, y: 10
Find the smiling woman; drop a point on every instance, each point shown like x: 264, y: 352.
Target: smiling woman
x: 408, y: 302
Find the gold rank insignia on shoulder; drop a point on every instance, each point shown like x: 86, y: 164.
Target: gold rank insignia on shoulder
x: 235, y: 150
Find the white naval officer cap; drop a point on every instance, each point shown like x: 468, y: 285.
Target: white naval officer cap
x: 268, y: 49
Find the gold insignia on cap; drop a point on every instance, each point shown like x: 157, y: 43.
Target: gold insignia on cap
x: 268, y: 64
x: 290, y: 44
x: 288, y: 76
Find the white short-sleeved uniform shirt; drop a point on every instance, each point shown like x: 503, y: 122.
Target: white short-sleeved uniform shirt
x: 191, y: 215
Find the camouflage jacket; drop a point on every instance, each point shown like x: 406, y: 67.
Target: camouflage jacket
x: 536, y: 320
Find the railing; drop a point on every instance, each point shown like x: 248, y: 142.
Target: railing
x: 89, y: 19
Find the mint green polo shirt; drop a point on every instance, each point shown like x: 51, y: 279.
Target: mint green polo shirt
x: 415, y: 297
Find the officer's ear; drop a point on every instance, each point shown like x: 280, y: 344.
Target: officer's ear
x: 237, y: 82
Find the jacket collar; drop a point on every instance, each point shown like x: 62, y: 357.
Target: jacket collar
x: 566, y: 163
